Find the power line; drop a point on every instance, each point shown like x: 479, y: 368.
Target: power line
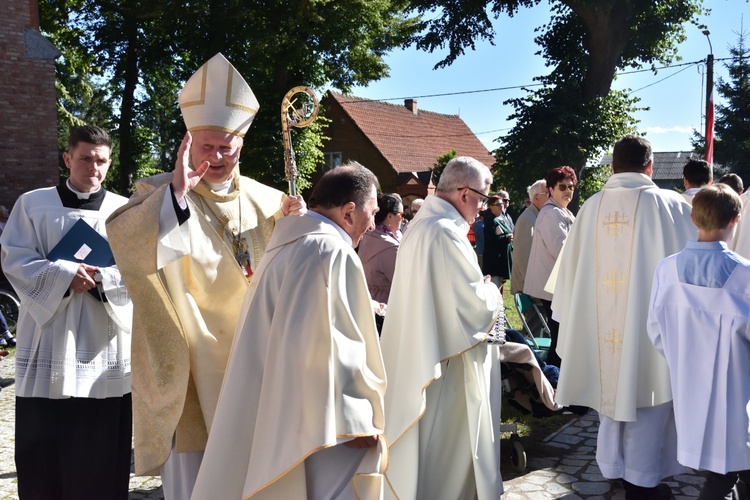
x: 515, y: 87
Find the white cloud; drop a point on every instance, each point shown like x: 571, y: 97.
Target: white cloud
x: 677, y: 129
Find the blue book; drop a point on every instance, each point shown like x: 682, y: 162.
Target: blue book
x: 84, y: 245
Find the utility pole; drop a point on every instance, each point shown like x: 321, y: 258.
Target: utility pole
x: 709, y: 135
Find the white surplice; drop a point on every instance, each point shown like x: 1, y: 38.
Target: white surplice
x: 69, y: 344
x: 444, y: 394
x: 704, y: 333
x: 661, y: 226
x: 305, y: 373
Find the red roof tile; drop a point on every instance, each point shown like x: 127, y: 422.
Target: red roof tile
x: 409, y: 142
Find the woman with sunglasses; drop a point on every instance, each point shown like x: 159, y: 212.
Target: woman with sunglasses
x: 550, y: 231
x: 498, y: 239
x: 378, y: 248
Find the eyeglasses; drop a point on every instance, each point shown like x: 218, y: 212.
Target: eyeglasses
x: 485, y: 198
x: 565, y: 187
x: 505, y: 202
x: 400, y: 215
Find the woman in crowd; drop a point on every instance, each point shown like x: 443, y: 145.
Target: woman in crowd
x: 498, y: 238
x: 550, y: 231
x: 378, y: 248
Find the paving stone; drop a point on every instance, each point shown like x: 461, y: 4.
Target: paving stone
x: 690, y: 479
x: 593, y: 477
x: 567, y: 439
x: 559, y: 445
x: 557, y: 490
x: 568, y: 469
x: 527, y: 486
x: 593, y: 469
x: 690, y: 491
x: 538, y: 495
x: 540, y: 463
x: 585, y: 488
x: 565, y: 479
x: 539, y: 479
x: 570, y: 461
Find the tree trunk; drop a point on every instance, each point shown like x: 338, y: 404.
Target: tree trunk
x: 127, y: 111
x: 608, y: 24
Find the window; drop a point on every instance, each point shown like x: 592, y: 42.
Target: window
x: 332, y: 160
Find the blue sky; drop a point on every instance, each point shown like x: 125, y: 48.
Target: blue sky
x: 675, y: 96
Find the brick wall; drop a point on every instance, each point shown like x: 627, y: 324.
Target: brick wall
x: 28, y: 119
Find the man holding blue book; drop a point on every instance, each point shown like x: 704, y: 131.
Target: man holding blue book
x: 73, y: 405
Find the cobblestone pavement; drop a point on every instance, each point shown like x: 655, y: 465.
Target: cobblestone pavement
x: 575, y: 474
x: 570, y: 475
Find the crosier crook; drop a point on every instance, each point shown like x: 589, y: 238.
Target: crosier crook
x: 295, y: 113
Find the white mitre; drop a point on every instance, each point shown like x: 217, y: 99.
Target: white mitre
x: 216, y: 97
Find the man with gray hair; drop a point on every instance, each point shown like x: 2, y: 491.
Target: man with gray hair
x: 443, y: 397
x: 523, y: 232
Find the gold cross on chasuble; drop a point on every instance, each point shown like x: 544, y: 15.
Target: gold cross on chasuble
x: 613, y: 222
x: 613, y: 340
x: 613, y: 282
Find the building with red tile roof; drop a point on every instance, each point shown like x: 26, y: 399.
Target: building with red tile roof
x: 400, y: 144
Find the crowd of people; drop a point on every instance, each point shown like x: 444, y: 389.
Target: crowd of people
x: 256, y: 345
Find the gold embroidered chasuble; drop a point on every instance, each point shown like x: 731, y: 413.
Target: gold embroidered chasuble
x: 602, y: 291
x: 185, y: 313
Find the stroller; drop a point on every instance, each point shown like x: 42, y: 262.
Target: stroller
x: 530, y: 385
x: 535, y: 328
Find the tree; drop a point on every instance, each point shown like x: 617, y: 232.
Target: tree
x: 732, y: 125
x: 574, y: 116
x: 440, y: 163
x: 147, y: 49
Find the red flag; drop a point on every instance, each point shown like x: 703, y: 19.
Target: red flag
x: 710, y: 127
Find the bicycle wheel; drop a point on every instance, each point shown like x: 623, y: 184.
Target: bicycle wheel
x: 9, y: 307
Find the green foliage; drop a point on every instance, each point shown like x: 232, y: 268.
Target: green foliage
x: 126, y: 60
x: 555, y: 128
x: 574, y: 116
x: 593, y: 180
x: 440, y: 164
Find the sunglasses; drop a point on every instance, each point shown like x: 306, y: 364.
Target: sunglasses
x: 565, y: 187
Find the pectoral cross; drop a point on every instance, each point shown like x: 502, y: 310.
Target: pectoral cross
x: 613, y: 340
x: 243, y: 257
x: 611, y: 280
x: 612, y: 223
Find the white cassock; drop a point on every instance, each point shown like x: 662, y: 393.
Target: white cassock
x: 704, y: 334
x: 601, y: 299
x: 305, y: 374
x: 69, y: 345
x: 443, y: 398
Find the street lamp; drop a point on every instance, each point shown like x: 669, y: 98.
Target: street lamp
x: 709, y: 101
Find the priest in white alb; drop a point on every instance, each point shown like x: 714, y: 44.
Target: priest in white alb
x: 187, y: 243
x: 301, y: 410
x: 601, y: 300
x: 439, y: 348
